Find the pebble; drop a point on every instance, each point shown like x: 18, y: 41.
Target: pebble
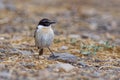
x: 4, y: 74
x: 18, y: 51
x: 81, y: 63
x: 24, y: 52
x: 93, y: 26
x: 117, y: 41
x: 74, y: 36
x: 64, y: 48
x: 92, y: 36
x: 65, y: 57
x: 2, y: 50
x: 101, y: 42
x: 95, y: 74
x: 64, y: 67
x: 11, y: 7
x: 28, y: 65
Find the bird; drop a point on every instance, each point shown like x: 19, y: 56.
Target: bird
x: 44, y: 35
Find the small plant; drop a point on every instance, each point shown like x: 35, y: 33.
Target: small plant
x: 93, y: 48
x: 73, y: 41
x: 56, y: 41
x: 89, y: 49
x: 107, y: 45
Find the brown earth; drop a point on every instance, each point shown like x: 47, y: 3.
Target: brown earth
x: 80, y: 25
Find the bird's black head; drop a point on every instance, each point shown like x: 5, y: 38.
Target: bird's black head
x: 46, y: 22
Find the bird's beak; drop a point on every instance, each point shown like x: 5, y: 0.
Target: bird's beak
x: 52, y: 22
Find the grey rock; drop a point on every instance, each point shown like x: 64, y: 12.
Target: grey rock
x: 64, y: 48
x: 74, y: 36
x: 64, y: 66
x: 66, y: 57
x: 95, y: 74
x: 81, y: 63
x: 14, y: 51
x: 91, y: 35
x: 117, y: 41
x: 93, y: 26
x: 24, y: 52
x: 101, y: 42
x: 11, y: 7
x: 18, y: 51
x: 2, y: 50
x: 28, y: 65
x: 5, y: 74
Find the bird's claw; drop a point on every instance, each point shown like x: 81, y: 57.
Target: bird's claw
x: 53, y: 56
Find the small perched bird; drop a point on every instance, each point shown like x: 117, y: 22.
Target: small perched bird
x: 44, y: 35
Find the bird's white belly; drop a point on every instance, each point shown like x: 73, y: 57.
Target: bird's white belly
x: 44, y: 37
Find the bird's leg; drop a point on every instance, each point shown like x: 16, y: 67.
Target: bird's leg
x: 52, y: 53
x: 40, y: 51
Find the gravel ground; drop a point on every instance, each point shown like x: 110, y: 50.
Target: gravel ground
x: 87, y: 40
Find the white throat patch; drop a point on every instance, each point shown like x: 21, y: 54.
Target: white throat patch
x: 41, y: 26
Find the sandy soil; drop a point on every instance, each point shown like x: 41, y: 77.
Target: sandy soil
x: 88, y: 30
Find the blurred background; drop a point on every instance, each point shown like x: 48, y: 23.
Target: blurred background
x: 96, y: 19
x: 85, y: 29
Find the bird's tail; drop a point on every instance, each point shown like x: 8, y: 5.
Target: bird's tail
x: 41, y: 51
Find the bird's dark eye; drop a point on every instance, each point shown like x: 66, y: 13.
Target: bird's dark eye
x: 46, y: 24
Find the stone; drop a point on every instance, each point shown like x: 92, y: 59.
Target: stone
x: 2, y: 50
x: 90, y: 35
x: 24, y: 52
x: 74, y: 36
x: 28, y: 65
x: 65, y: 57
x: 64, y: 48
x: 81, y: 63
x: 11, y: 7
x: 18, y: 51
x: 64, y: 67
x: 5, y: 74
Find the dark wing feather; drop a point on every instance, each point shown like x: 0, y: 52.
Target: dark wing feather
x: 35, y: 32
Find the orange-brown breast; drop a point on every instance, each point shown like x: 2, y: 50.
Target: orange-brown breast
x: 45, y: 30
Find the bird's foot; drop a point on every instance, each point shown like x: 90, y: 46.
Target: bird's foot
x: 53, y: 56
